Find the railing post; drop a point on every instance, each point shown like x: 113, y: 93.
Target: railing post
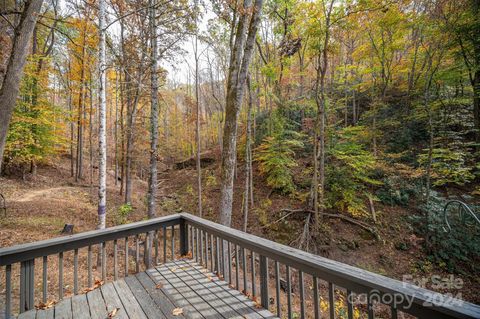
x: 27, y: 271
x: 183, y: 237
x: 264, y: 281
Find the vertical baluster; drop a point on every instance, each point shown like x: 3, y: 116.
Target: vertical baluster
x: 147, y: 252
x: 277, y: 289
x: 104, y: 261
x: 22, y: 287
x: 115, y: 268
x: 8, y: 291
x: 217, y: 250
x: 155, y: 242
x: 60, y: 275
x: 289, y: 292
x: 349, y: 304
x: 264, y: 281
x: 197, y: 246
x: 370, y: 307
x: 89, y: 266
x: 45, y: 279
x: 137, y: 253
x: 31, y: 296
x: 393, y: 311
x: 316, y: 308
x: 126, y: 256
x: 229, y: 252
x: 75, y: 272
x: 244, y: 270
x: 211, y: 253
x: 252, y: 267
x: 202, y: 259
x: 331, y: 300
x: 222, y: 247
x: 164, y: 244
x: 302, y: 294
x: 173, y: 242
x: 237, y: 280
x: 206, y: 251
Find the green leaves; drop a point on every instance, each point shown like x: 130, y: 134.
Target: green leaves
x: 276, y: 158
x: 349, y: 175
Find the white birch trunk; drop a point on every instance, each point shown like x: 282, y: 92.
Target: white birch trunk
x: 102, y: 137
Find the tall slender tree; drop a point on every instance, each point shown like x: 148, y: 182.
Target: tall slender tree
x: 102, y: 134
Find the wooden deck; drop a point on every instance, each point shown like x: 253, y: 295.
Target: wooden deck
x: 156, y: 293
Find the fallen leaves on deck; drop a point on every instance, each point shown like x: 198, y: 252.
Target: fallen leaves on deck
x: 177, y: 311
x: 46, y: 305
x: 112, y: 313
x: 97, y: 284
x: 159, y: 285
x: 188, y: 255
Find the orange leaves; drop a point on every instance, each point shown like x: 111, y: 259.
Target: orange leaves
x: 159, y: 286
x: 98, y: 283
x: 46, y: 305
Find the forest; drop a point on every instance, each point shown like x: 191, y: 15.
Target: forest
x: 345, y: 128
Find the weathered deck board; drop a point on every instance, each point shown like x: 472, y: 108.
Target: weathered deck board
x: 63, y: 310
x: 80, y: 309
x: 239, y: 305
x: 28, y: 315
x: 183, y: 284
x: 233, y: 292
x: 46, y: 314
x: 217, y: 299
x: 129, y: 301
x: 176, y: 298
x: 113, y: 301
x: 161, y: 300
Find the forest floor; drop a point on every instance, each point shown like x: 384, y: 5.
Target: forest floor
x: 39, y: 207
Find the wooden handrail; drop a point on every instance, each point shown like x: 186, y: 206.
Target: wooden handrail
x: 343, y: 275
x: 213, y: 244
x: 27, y: 251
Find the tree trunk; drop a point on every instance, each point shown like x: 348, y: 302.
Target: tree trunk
x: 13, y: 75
x: 102, y: 136
x: 197, y: 128
x: 152, y: 181
x: 239, y: 63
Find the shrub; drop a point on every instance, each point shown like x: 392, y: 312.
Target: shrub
x: 276, y: 160
x: 123, y: 213
x: 350, y: 172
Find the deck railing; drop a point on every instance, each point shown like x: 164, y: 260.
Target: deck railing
x: 288, y: 281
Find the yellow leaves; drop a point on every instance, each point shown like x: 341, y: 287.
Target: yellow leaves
x: 177, y: 311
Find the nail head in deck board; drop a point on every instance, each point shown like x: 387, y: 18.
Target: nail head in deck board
x: 112, y: 300
x: 80, y: 308
x: 63, y: 310
x: 129, y: 302
x: 144, y: 300
x: 96, y: 303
